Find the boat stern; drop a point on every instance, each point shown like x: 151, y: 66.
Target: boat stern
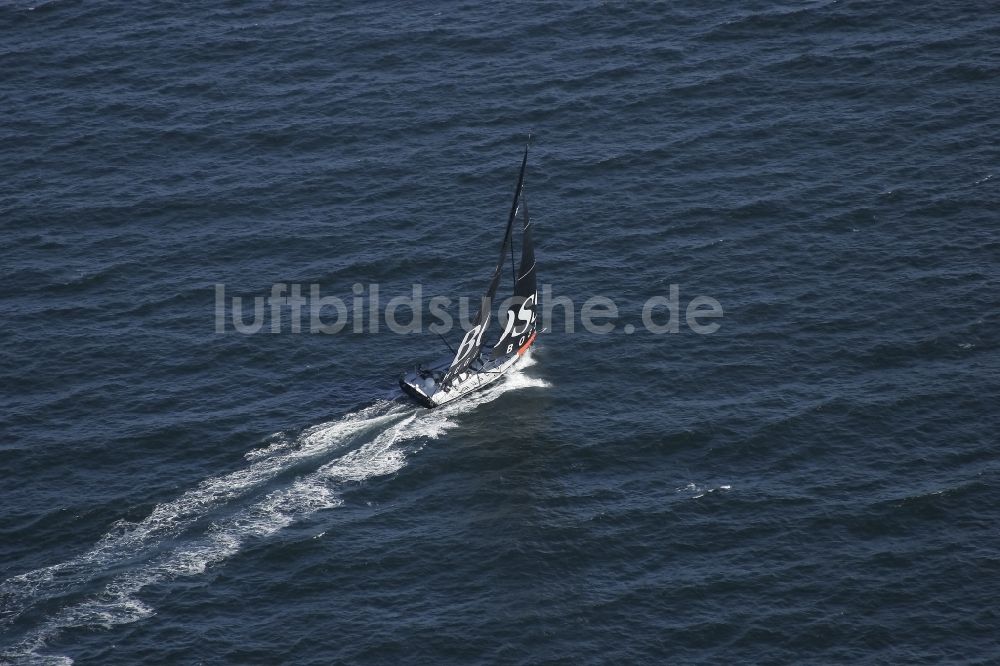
x: 419, y: 388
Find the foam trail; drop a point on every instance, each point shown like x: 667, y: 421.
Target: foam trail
x: 129, y: 540
x: 384, y: 454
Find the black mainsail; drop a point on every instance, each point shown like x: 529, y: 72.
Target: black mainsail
x: 472, y: 343
x: 520, y: 321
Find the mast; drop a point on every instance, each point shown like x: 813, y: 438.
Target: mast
x: 519, y: 325
x: 472, y: 343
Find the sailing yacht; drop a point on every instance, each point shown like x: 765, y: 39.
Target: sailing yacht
x: 475, y: 364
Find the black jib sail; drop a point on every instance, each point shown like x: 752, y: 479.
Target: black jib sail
x: 520, y: 322
x: 472, y: 343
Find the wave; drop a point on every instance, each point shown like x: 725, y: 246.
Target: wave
x: 696, y: 491
x: 390, y: 426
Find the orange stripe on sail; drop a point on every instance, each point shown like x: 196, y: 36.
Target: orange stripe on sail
x: 527, y: 344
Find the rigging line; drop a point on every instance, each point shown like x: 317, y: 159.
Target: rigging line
x: 513, y: 270
x: 446, y: 342
x: 524, y: 200
x: 524, y: 203
x: 527, y: 219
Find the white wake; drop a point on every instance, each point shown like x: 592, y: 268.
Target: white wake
x: 388, y: 425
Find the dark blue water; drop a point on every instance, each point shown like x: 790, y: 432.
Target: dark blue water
x: 814, y: 483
